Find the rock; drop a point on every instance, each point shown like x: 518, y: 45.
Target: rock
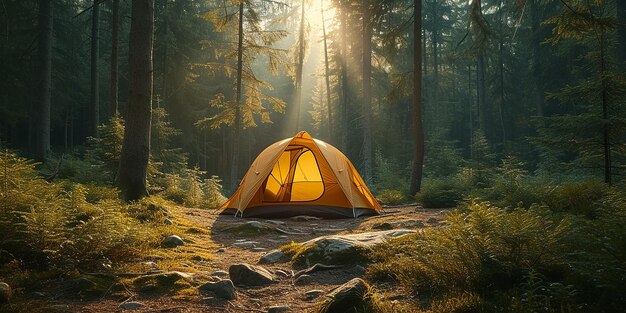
x: 6, y: 293
x: 224, y: 289
x: 246, y: 244
x: 221, y: 250
x: 303, y: 280
x: 172, y: 241
x: 383, y: 226
x: 432, y: 220
x: 343, y: 249
x: 163, y: 282
x: 275, y: 256
x: 150, y: 263
x: 249, y: 275
x: 305, y: 218
x: 276, y: 222
x: 347, y: 297
x: 278, y: 309
x: 167, y: 221
x: 312, y: 294
x: 250, y: 228
x: 359, y: 270
x: 220, y: 273
x: 131, y: 305
x: 78, y: 284
x: 281, y: 273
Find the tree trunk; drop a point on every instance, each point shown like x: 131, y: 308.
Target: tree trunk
x: 115, y: 26
x: 605, y: 111
x: 345, y: 89
x: 327, y: 78
x: 95, y: 52
x: 481, y: 90
x: 435, y: 39
x: 621, y: 31
x: 418, y: 131
x: 237, y: 123
x: 537, y: 39
x: 131, y: 177
x: 44, y: 79
x: 367, y: 94
x: 299, y: 66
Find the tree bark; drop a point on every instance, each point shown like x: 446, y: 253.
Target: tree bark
x: 537, y: 39
x: 481, y: 90
x: 299, y: 66
x: 367, y: 94
x: 131, y: 176
x: 621, y: 31
x: 237, y: 123
x: 327, y: 78
x: 95, y: 52
x: 345, y: 89
x: 418, y: 130
x: 44, y: 78
x: 115, y: 26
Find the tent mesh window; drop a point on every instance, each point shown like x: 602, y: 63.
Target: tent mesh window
x: 300, y: 182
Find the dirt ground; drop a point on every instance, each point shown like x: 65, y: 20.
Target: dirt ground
x: 219, y: 243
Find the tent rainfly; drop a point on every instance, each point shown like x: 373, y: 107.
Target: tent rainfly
x: 301, y: 176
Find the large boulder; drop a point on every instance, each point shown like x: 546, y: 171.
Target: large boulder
x: 352, y: 296
x: 224, y: 289
x: 249, y: 275
x: 340, y: 249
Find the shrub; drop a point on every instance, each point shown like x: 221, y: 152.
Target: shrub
x: 392, y: 197
x: 44, y: 225
x: 441, y: 193
x: 501, y: 258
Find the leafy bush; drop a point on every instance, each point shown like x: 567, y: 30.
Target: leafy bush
x: 392, y: 197
x: 44, y: 225
x: 512, y: 262
x: 441, y: 193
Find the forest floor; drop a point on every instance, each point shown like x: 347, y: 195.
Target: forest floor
x: 210, y: 247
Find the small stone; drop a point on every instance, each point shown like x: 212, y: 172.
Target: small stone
x: 224, y: 289
x: 221, y: 250
x: 150, y: 263
x: 278, y: 309
x: 255, y: 224
x: 432, y: 220
x: 220, y: 273
x: 312, y: 294
x: 167, y: 221
x: 419, y: 208
x: 246, y: 244
x: 303, y: 280
x: 6, y: 293
x: 273, y: 257
x: 172, y: 241
x: 131, y: 305
x: 281, y: 273
x: 249, y: 275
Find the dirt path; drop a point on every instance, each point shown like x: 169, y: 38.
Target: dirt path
x: 206, y: 233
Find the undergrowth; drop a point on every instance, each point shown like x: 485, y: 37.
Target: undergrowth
x: 527, y: 260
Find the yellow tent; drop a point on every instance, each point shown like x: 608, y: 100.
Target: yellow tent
x: 301, y: 176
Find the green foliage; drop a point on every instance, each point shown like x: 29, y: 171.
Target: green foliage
x: 391, y: 197
x: 441, y: 193
x: 45, y: 225
x: 105, y: 150
x: 519, y: 261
